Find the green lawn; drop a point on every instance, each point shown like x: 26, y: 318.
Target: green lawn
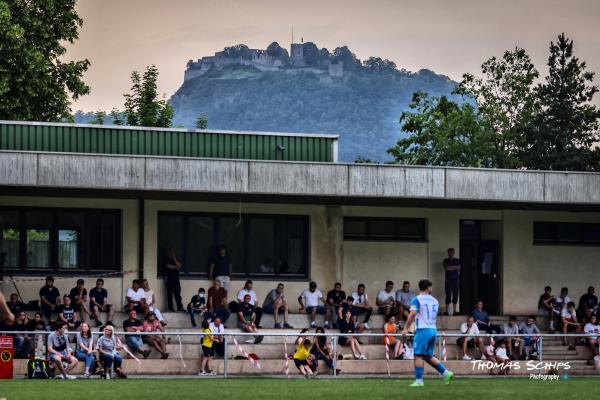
x: 266, y: 388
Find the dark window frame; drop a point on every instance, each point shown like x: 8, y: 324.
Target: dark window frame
x: 369, y: 236
x: 184, y: 274
x: 83, y: 241
x: 553, y: 239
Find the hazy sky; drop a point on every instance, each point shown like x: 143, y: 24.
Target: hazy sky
x: 447, y: 36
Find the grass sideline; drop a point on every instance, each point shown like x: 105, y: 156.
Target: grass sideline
x: 268, y: 388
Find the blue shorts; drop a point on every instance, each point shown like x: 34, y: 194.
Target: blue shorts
x: 424, y: 341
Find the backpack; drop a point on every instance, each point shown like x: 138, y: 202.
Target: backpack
x: 37, y: 369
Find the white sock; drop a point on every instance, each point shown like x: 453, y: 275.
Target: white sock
x: 420, y: 381
x: 445, y: 373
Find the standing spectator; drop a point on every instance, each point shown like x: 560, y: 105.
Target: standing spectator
x: 391, y: 329
x: 172, y: 265
x: 49, y: 298
x: 276, y: 303
x: 569, y: 323
x: 99, y: 303
x: 85, y: 349
x: 67, y: 314
x: 218, y: 329
x: 37, y: 323
x: 587, y: 301
x: 217, y: 302
x: 386, y: 300
x: 309, y: 301
x: 108, y: 346
x: 321, y: 350
x: 483, y: 319
x: 346, y: 326
x: 22, y: 341
x: 135, y: 298
x: 404, y: 297
x: 247, y: 290
x: 361, y: 305
x: 59, y: 352
x: 247, y: 319
x: 452, y: 281
x: 220, y: 268
x: 15, y: 306
x: 515, y: 348
x: 151, y: 324
x: 78, y: 297
x: 151, y: 302
x: 335, y: 298
x: 593, y: 342
x: 132, y: 324
x: 197, y: 305
x: 470, y: 328
x: 207, y: 351
x: 530, y: 328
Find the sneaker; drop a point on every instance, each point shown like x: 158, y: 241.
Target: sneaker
x: 146, y: 353
x: 467, y: 358
x: 366, y: 326
x: 98, y: 324
x: 416, y: 384
x: 277, y: 325
x: 194, y: 325
x: 356, y: 357
x: 327, y: 326
x: 212, y: 373
x: 483, y: 357
x: 59, y: 376
x: 249, y: 341
x: 338, y: 371
x: 448, y: 378
x: 287, y: 326
x: 362, y: 357
x: 107, y: 376
x: 313, y: 324
x: 258, y: 339
x: 87, y: 375
x: 202, y: 373
x: 70, y: 376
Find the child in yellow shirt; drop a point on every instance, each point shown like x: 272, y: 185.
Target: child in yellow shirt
x: 207, y: 351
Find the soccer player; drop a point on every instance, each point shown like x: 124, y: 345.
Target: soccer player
x: 424, y: 309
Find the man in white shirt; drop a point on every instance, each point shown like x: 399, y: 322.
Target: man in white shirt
x: 593, y: 328
x: 403, y: 298
x: 361, y: 305
x: 470, y: 328
x: 569, y: 323
x: 386, y: 300
x: 216, y: 326
x: 309, y: 300
x: 247, y: 290
x: 135, y: 299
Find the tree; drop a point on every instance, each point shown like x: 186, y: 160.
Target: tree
x: 142, y: 106
x: 379, y: 66
x: 35, y: 81
x: 311, y: 53
x: 118, y: 117
x: 202, y: 122
x: 347, y: 57
x: 238, y: 51
x: 444, y: 133
x: 278, y: 52
x: 566, y: 131
x: 98, y: 118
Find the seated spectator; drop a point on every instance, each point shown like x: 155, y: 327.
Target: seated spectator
x: 569, y: 323
x: 588, y: 300
x: 321, y: 351
x: 216, y: 327
x: 501, y: 356
x: 403, y: 298
x: 391, y: 328
x: 514, y: 342
x: 334, y: 301
x: 560, y: 301
x: 470, y: 328
x: 37, y: 323
x: 217, y: 302
x: 78, y: 297
x: 197, y: 305
x: 483, y: 320
x: 150, y: 299
x: 247, y: 290
x: 135, y: 299
x: 85, y: 349
x: 361, y: 305
x: 247, y: 319
x: 346, y: 326
x: 107, y: 347
x: 593, y: 328
x: 386, y: 300
x: 67, y: 314
x: 99, y: 303
x: 22, y: 342
x: 530, y: 328
x: 59, y: 352
x: 309, y: 301
x: 151, y: 324
x: 490, y: 353
x: 15, y: 306
x: 135, y: 343
x: 545, y: 303
x: 49, y: 298
x: 276, y: 303
x: 207, y: 350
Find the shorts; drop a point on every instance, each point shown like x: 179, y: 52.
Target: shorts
x: 470, y: 342
x: 424, y: 341
x: 342, y: 340
x: 300, y: 362
x: 320, y: 309
x: 269, y: 309
x: 56, y: 357
x: 571, y: 328
x: 207, y: 351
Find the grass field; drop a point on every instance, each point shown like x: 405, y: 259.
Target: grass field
x: 266, y: 388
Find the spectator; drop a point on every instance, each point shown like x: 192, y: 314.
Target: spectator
x: 15, y: 306
x: 151, y: 324
x: 501, y: 356
x: 276, y: 303
x: 386, y: 300
x: 172, y: 266
x: 247, y: 290
x: 546, y: 305
x: 560, y: 301
x: 22, y: 341
x: 49, y: 298
x: 309, y: 300
x: 593, y: 327
x: 483, y: 320
x: 150, y: 299
x: 301, y: 357
x: 85, y: 349
x: 37, y: 323
x: 197, y: 305
x: 217, y: 302
x: 391, y: 329
x: 361, y: 305
x: 346, y: 326
x: 335, y: 298
x: 67, y: 314
x: 218, y: 329
x: 207, y: 350
x: 321, y: 350
x: 514, y: 342
x: 108, y: 346
x: 452, y: 281
x: 470, y: 328
x: 78, y: 297
x: 220, y: 268
x: 99, y: 303
x: 569, y: 323
x: 403, y: 299
x: 530, y: 328
x: 59, y: 352
x: 347, y: 305
x: 132, y: 324
x: 588, y: 300
x: 135, y: 298
x: 247, y: 319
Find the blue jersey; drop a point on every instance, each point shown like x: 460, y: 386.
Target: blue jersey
x: 426, y: 307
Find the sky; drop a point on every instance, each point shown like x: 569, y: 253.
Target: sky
x: 450, y: 37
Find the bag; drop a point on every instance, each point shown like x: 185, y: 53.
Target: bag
x: 37, y: 369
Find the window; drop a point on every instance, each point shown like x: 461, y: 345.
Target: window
x: 391, y: 229
x: 566, y: 233
x: 54, y: 239
x: 258, y: 245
